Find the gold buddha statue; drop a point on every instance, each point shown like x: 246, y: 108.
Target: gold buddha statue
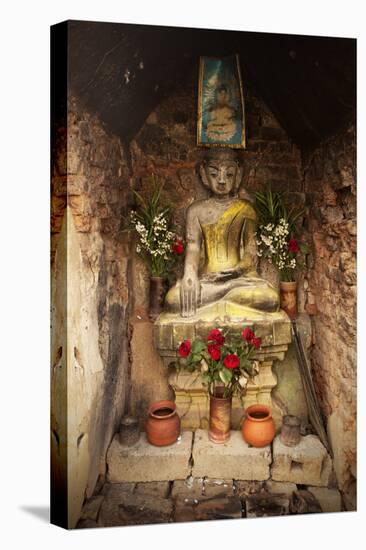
x: 224, y: 226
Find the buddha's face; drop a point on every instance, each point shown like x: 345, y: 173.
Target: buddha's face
x: 221, y: 176
x: 222, y: 97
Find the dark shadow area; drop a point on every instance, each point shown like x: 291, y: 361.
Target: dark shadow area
x: 40, y: 512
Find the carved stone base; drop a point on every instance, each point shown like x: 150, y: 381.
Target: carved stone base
x: 191, y: 397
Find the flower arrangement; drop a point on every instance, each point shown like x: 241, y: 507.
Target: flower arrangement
x: 225, y: 361
x: 276, y: 234
x: 157, y: 243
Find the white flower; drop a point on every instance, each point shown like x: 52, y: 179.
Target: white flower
x: 243, y: 381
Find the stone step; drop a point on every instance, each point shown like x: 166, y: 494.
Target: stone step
x: 235, y: 458
x: 208, y: 508
x: 144, y: 462
x: 307, y: 463
x: 266, y: 505
x: 329, y: 499
x: 134, y: 509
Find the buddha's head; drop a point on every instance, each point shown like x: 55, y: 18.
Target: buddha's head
x: 221, y: 172
x: 222, y: 95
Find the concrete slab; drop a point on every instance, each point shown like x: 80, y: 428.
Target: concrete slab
x: 145, y: 462
x: 235, y: 459
x: 308, y: 463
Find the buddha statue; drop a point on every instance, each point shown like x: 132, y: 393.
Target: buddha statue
x: 222, y: 227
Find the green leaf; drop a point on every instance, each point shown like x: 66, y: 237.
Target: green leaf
x: 304, y: 248
x: 225, y: 375
x: 198, y: 346
x: 195, y: 357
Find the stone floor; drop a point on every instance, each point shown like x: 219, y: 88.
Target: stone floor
x: 196, y: 480
x: 198, y: 499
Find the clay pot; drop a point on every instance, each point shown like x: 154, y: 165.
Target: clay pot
x: 163, y: 423
x: 258, y: 427
x: 129, y: 432
x: 288, y: 298
x: 156, y: 297
x: 220, y: 417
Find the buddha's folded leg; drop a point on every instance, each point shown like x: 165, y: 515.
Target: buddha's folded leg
x: 250, y: 292
x: 264, y: 297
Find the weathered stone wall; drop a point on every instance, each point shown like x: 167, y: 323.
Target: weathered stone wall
x: 330, y: 185
x: 90, y: 283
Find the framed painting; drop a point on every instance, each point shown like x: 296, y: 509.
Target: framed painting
x: 221, y: 114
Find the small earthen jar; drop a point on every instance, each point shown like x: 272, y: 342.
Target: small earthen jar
x: 288, y: 298
x: 163, y: 424
x: 258, y: 427
x: 129, y: 431
x: 290, y: 431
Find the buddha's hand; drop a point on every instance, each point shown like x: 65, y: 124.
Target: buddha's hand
x: 189, y: 294
x: 224, y: 275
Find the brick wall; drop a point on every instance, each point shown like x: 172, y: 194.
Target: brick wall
x: 330, y: 186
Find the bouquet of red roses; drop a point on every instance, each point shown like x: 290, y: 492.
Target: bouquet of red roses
x: 225, y: 360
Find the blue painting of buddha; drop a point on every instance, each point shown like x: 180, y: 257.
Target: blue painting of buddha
x: 221, y: 113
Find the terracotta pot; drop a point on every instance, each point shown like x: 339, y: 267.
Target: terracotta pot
x: 288, y: 298
x: 156, y: 298
x: 163, y: 423
x: 220, y: 417
x: 258, y: 427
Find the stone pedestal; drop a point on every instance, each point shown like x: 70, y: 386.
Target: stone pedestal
x: 190, y: 396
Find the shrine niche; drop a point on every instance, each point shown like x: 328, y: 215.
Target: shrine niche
x: 205, y: 226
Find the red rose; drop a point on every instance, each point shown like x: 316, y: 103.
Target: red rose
x: 248, y: 334
x: 216, y: 336
x: 214, y: 352
x: 185, y: 348
x: 256, y: 342
x: 231, y: 361
x: 178, y: 247
x: 293, y: 246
